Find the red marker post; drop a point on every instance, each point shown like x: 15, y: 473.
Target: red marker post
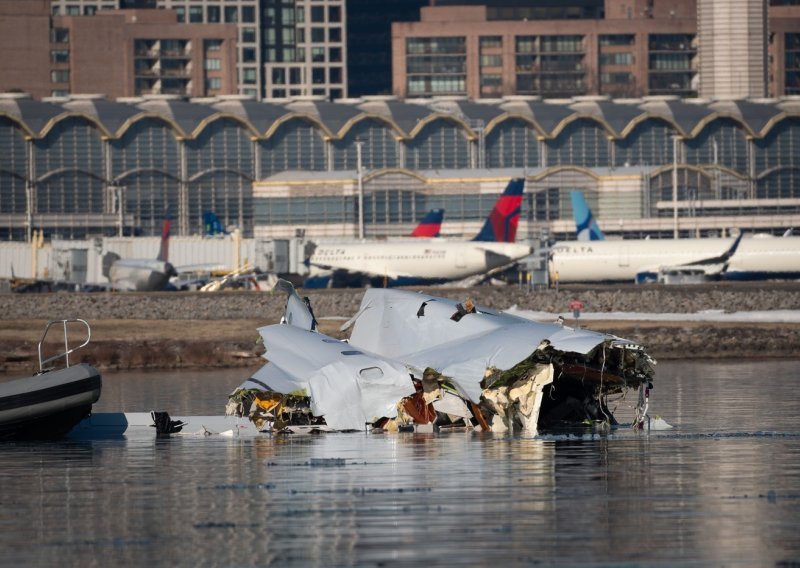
x: 576, y: 306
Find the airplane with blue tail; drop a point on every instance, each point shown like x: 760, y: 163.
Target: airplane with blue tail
x: 425, y: 261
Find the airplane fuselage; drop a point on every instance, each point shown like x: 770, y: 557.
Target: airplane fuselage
x: 140, y: 275
x: 420, y: 260
x: 621, y: 261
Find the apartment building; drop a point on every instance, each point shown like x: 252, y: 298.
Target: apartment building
x: 119, y: 53
x: 284, y: 47
x: 619, y: 48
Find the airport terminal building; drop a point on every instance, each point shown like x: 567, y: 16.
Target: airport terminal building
x: 85, y: 165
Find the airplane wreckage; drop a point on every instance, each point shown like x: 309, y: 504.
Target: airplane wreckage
x: 419, y: 362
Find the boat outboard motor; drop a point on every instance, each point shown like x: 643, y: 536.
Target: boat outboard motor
x: 164, y: 425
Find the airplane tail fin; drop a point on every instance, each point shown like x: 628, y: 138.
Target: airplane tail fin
x: 501, y: 224
x: 212, y: 225
x: 108, y: 259
x: 163, y: 253
x: 585, y: 223
x: 431, y: 224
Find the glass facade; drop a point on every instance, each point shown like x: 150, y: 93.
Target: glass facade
x: 73, y: 170
x: 437, y: 66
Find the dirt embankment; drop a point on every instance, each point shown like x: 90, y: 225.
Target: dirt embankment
x: 163, y: 330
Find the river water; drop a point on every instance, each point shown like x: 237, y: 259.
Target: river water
x: 722, y: 488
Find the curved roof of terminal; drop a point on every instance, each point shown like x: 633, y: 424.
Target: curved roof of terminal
x: 188, y: 117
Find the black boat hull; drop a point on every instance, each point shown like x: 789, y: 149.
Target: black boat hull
x: 48, y: 405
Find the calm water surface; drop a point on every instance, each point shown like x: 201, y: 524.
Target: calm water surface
x: 720, y: 489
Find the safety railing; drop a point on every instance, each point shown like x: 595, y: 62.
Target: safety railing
x: 67, y: 350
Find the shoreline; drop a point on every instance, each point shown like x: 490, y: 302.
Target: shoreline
x: 196, y: 330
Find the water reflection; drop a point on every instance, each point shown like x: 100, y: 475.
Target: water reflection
x: 721, y: 489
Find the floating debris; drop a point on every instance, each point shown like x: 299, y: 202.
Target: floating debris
x: 419, y: 362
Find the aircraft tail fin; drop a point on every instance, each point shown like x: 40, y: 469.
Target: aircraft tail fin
x: 501, y: 224
x: 431, y: 224
x: 163, y: 253
x: 212, y: 225
x: 585, y: 223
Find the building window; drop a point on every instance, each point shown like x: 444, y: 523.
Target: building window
x: 300, y: 14
x: 248, y: 14
x: 288, y: 16
x: 248, y: 35
x: 616, y: 58
x: 213, y: 14
x: 59, y: 93
x: 278, y: 76
x: 249, y: 76
x: 55, y: 10
x: 279, y: 93
x: 335, y: 54
x: 287, y: 35
x: 436, y: 66
x: 318, y: 54
x: 334, y: 13
x: 318, y: 75
x: 180, y: 14
x: 491, y: 60
x: 213, y: 44
x: 59, y: 76
x: 491, y: 42
x: 59, y: 35
x: 73, y: 10
x: 213, y: 83
x: 295, y: 76
x: 317, y: 14
x: 335, y: 35
x: 335, y: 74
x: 195, y: 14
x: 89, y: 10
x: 318, y: 35
x: 59, y: 56
x: 617, y: 39
x: 213, y: 64
x: 249, y: 55
x: 231, y: 14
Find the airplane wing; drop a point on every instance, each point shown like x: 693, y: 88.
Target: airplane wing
x: 710, y: 267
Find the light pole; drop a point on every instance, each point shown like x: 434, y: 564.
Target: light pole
x: 675, y: 186
x: 360, y: 191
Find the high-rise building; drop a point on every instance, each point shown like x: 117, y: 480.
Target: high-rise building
x: 284, y: 47
x: 369, y: 43
x: 732, y: 35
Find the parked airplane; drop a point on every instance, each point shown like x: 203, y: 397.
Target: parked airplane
x: 648, y: 260
x: 426, y: 261
x: 141, y: 274
x: 759, y: 257
x: 585, y: 223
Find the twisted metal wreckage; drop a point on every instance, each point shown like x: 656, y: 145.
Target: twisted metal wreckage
x: 415, y: 361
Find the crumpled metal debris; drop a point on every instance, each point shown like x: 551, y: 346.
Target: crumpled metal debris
x: 415, y: 359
